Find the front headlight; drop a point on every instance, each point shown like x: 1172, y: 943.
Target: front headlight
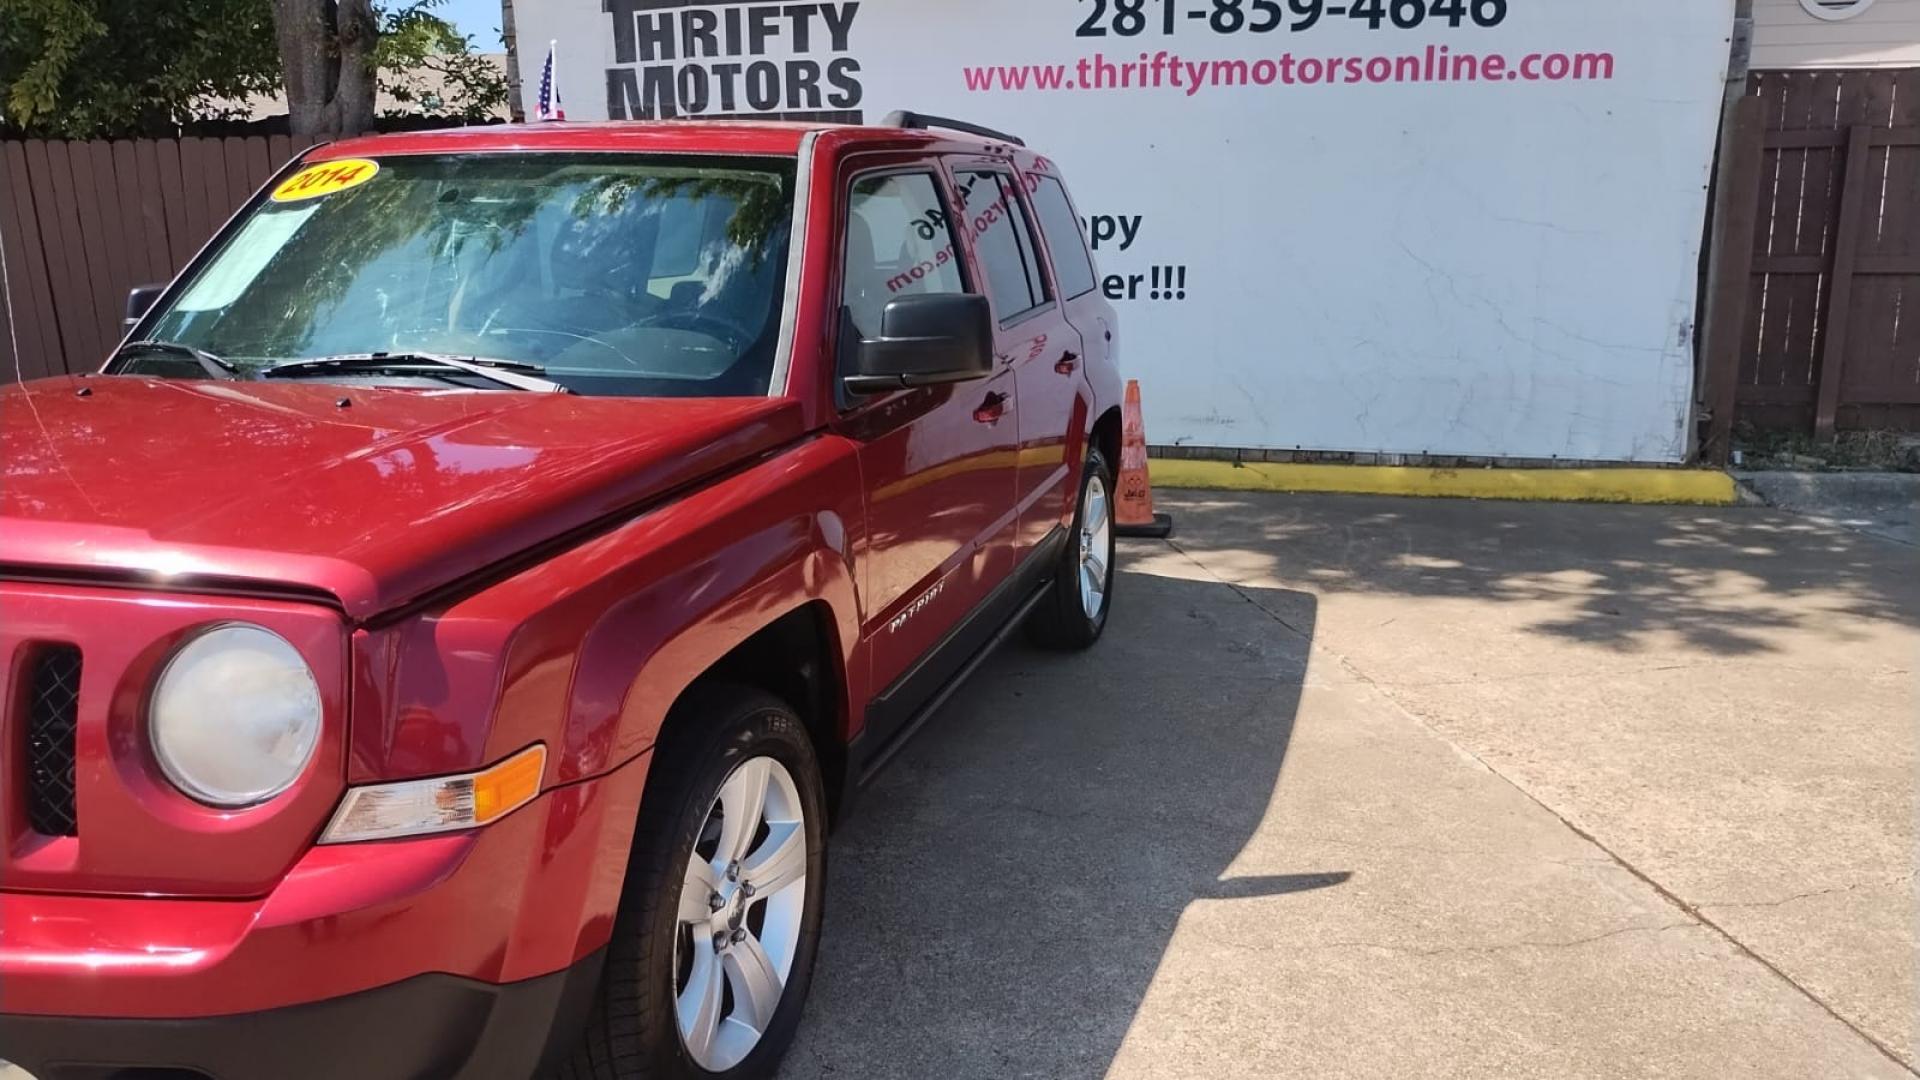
x: 235, y: 716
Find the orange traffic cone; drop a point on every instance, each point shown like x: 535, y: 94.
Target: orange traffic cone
x: 1135, y: 516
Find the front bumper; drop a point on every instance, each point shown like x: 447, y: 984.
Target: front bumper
x: 398, y: 958
x: 431, y: 1027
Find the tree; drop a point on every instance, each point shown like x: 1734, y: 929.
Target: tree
x: 89, y: 68
x: 80, y: 69
x: 327, y: 58
x: 428, y: 69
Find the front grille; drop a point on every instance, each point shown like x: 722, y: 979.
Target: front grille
x: 53, y: 709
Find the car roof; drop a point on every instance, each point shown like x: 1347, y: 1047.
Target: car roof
x: 674, y: 136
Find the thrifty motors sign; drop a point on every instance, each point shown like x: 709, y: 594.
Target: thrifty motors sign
x: 674, y: 58
x: 1457, y: 227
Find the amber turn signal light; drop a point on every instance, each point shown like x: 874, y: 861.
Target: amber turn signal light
x: 441, y: 804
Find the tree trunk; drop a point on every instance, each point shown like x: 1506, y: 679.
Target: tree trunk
x: 326, y: 53
x: 515, y: 111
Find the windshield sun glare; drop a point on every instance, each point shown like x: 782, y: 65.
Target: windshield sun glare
x: 613, y: 274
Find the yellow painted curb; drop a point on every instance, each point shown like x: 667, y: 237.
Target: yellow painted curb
x: 1624, y: 485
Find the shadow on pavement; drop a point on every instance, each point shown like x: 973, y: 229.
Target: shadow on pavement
x: 1616, y: 576
x: 1003, y: 896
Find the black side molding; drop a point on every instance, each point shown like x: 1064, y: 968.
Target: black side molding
x: 898, y: 713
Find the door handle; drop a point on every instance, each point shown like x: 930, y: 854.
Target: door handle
x: 992, y: 409
x: 1065, y: 364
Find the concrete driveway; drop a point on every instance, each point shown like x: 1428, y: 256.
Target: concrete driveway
x: 1373, y: 787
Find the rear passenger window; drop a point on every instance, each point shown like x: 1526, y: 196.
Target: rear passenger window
x: 1004, y: 241
x: 898, y: 244
x: 1072, y: 266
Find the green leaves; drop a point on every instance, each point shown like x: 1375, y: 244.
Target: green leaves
x: 38, y: 39
x: 78, y: 69
x: 427, y: 68
x: 91, y: 68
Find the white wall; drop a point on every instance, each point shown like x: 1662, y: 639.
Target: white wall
x: 1885, y: 35
x: 1499, y: 267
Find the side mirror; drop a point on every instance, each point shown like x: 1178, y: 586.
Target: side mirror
x: 925, y: 341
x: 139, y: 300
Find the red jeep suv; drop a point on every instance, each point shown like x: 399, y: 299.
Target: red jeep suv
x: 440, y: 639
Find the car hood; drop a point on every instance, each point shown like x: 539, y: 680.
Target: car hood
x: 376, y: 497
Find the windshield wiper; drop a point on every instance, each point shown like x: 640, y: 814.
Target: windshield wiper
x: 209, y: 363
x: 514, y: 373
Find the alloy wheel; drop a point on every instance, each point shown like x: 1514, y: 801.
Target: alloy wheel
x: 1096, y: 545
x: 741, y: 908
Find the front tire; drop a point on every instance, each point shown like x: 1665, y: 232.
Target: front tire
x: 1073, y: 613
x: 714, y: 941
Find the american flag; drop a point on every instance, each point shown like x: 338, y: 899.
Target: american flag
x: 550, y: 107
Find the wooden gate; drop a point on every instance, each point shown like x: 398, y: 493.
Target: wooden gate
x: 1826, y: 221
x: 81, y: 223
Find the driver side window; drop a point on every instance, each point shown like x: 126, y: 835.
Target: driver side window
x: 899, y: 243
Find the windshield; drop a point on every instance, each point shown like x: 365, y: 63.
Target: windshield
x: 617, y: 274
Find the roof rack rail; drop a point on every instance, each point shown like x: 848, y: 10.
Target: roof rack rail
x: 901, y: 118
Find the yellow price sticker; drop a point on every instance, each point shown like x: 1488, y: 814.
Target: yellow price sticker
x: 325, y: 179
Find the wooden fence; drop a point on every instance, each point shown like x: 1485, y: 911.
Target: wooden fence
x: 1825, y: 221
x: 81, y: 223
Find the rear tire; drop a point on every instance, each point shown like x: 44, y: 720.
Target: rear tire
x: 697, y: 987
x: 1073, y: 613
